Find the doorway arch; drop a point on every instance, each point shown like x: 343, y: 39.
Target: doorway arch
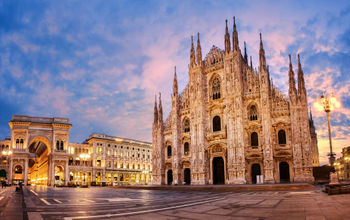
x: 38, y: 167
x: 256, y: 170
x: 187, y: 176
x: 284, y: 172
x: 3, y: 174
x: 218, y: 170
x: 170, y: 177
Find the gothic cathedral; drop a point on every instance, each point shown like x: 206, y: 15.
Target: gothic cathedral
x: 231, y: 125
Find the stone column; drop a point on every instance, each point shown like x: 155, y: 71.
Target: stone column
x: 66, y: 176
x: 25, y: 171
x: 51, y: 176
x: 10, y: 172
x: 93, y: 177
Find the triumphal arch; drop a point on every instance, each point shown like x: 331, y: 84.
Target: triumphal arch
x: 39, y: 150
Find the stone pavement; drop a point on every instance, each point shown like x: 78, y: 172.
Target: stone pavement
x: 42, y: 202
x: 11, y: 204
x: 306, y: 205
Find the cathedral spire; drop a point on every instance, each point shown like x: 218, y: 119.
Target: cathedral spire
x: 155, y: 116
x: 251, y: 62
x: 227, y: 40
x: 192, y: 55
x: 199, y: 51
x: 235, y: 43
x: 292, y: 89
x: 245, y: 53
x: 160, y: 110
x: 175, y: 88
x: 262, y: 58
x: 301, y: 82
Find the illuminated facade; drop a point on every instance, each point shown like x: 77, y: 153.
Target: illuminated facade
x: 231, y: 125
x: 342, y: 165
x: 39, y: 152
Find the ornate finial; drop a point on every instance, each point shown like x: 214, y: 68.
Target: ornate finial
x: 234, y: 21
x: 226, y: 23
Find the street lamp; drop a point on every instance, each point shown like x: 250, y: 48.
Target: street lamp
x: 7, y: 153
x: 328, y: 105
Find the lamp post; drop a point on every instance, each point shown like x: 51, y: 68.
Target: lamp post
x: 7, y: 153
x: 328, y: 106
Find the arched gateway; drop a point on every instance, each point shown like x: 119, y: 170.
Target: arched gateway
x: 39, y: 147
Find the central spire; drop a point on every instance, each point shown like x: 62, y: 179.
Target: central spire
x: 199, y: 51
x: 301, y: 82
x: 155, y: 116
x: 175, y: 88
x: 235, y: 36
x: 192, y: 55
x: 227, y: 40
x: 245, y: 53
x: 262, y: 59
x: 292, y: 89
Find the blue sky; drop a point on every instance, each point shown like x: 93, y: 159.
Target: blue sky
x: 100, y: 63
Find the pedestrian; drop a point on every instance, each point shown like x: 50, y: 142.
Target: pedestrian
x: 2, y: 184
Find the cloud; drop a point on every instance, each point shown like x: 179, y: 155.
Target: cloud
x: 100, y: 64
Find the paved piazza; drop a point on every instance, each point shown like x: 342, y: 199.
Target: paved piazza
x: 44, y: 202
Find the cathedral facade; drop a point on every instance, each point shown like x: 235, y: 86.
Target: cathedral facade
x: 231, y: 125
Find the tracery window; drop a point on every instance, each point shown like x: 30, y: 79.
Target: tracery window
x: 216, y: 88
x: 254, y: 139
x: 187, y: 126
x: 216, y: 123
x: 282, y: 137
x: 253, y: 113
x: 169, y: 151
x: 186, y: 148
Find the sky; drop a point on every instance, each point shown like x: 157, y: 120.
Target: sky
x: 100, y: 63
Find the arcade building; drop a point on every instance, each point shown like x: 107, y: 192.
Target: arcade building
x: 39, y: 153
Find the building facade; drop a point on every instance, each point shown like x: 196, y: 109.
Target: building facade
x: 231, y: 125
x: 39, y: 152
x: 342, y: 165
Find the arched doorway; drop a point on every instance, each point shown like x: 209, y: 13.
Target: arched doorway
x: 255, y: 171
x: 187, y: 176
x: 18, y: 174
x: 38, y: 167
x: 170, y: 177
x: 218, y: 171
x: 59, y: 175
x: 284, y: 172
x: 3, y: 174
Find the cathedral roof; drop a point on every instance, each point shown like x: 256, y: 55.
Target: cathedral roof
x: 215, y: 55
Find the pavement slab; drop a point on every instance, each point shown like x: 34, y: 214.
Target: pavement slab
x: 125, y: 203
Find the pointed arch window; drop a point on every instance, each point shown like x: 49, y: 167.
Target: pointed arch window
x: 253, y: 113
x: 282, y: 137
x: 254, y: 139
x: 187, y: 125
x: 186, y: 148
x: 216, y: 88
x: 216, y: 123
x: 169, y: 151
